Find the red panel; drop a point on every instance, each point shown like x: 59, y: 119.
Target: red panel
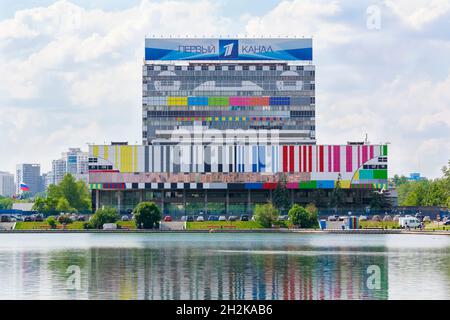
x: 310, y: 159
x: 364, y: 154
x: 321, y: 153
x: 348, y: 158
x: 300, y: 159
x: 304, y: 158
x: 269, y: 186
x: 291, y: 158
x: 285, y: 158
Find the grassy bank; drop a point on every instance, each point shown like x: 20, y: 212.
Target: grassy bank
x: 225, y: 225
x: 379, y: 224
x: 77, y: 225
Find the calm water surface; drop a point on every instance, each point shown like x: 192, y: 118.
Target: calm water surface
x: 224, y: 266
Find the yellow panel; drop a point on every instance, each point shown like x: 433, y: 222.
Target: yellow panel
x: 135, y: 167
x: 95, y: 151
x: 116, y: 157
x: 105, y: 153
x: 126, y: 159
x: 356, y: 175
x: 177, y: 101
x: 345, y: 184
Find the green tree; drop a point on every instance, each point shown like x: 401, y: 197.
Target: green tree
x: 313, y: 215
x: 380, y: 200
x: 281, y: 195
x: 102, y: 216
x: 337, y: 195
x: 64, y: 206
x: 265, y: 214
x: 6, y: 203
x: 39, y: 205
x: 64, y: 219
x: 51, y: 221
x: 147, y: 215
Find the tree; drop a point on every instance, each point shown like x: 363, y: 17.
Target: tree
x: 281, y: 195
x: 313, y: 215
x: 39, y: 205
x: 64, y: 219
x: 6, y: 203
x: 102, y: 216
x: 337, y: 196
x: 64, y: 206
x: 51, y: 221
x: 265, y: 214
x: 147, y: 215
x: 380, y: 200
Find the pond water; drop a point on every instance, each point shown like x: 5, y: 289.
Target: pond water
x: 224, y: 266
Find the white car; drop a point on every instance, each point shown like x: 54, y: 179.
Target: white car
x: 222, y: 218
x: 200, y: 219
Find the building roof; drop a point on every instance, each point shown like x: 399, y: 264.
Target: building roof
x: 27, y: 206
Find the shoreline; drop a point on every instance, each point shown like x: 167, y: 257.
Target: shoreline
x: 306, y: 231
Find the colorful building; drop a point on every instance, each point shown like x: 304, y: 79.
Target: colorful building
x: 224, y: 121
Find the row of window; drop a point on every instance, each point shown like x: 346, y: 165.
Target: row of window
x: 228, y: 67
x: 103, y: 167
x: 375, y: 166
x: 159, y: 114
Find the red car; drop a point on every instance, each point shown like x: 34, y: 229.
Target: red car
x: 167, y: 218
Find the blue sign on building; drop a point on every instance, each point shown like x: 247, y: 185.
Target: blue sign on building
x: 228, y: 49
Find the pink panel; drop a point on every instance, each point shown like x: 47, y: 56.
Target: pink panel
x: 330, y: 168
x: 235, y: 101
x: 348, y: 158
x: 364, y: 154
x: 359, y: 156
x: 292, y: 185
x: 337, y: 158
x: 371, y: 152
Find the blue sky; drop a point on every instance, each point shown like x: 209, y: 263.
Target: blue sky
x: 71, y: 70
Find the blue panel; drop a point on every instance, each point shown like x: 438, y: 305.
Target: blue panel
x: 254, y: 159
x: 279, y: 101
x: 254, y: 186
x: 197, y: 101
x: 325, y: 184
x: 262, y: 158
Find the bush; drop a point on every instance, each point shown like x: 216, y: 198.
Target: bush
x: 265, y: 214
x: 304, y: 217
x: 51, y: 221
x: 64, y: 219
x: 102, y: 216
x: 147, y: 215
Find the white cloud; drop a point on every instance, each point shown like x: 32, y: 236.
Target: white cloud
x: 418, y: 13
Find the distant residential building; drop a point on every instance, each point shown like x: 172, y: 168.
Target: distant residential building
x: 73, y: 161
x: 30, y: 174
x: 7, y: 185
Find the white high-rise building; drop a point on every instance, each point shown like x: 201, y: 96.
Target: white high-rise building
x: 74, y: 162
x: 7, y: 185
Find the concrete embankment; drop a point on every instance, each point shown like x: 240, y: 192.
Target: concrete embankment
x: 296, y: 231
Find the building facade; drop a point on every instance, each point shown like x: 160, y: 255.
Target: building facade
x: 7, y: 185
x: 224, y: 122
x: 73, y: 161
x: 30, y: 174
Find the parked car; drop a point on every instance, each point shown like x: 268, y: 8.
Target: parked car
x: 190, y: 218
x: 5, y: 219
x: 232, y: 218
x: 167, y: 219
x: 82, y: 217
x: 283, y: 218
x: 447, y: 223
x: 244, y: 217
x: 333, y: 218
x: 183, y: 218
x: 419, y: 217
x: 362, y: 218
x: 222, y: 218
x: 28, y: 219
x: 213, y: 218
x: 426, y: 219
x: 376, y: 218
x: 200, y: 219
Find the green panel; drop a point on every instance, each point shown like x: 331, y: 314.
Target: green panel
x: 385, y: 151
x: 218, y: 101
x: 365, y: 174
x: 308, y: 184
x: 380, y: 174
